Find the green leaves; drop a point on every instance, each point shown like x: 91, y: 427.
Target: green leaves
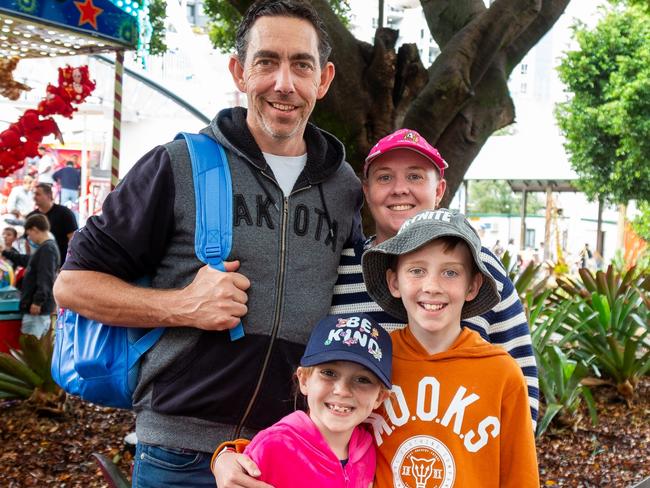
x: 606, y: 123
x: 27, y: 369
x: 559, y: 381
x: 611, y: 323
x: 592, y: 323
x: 559, y: 375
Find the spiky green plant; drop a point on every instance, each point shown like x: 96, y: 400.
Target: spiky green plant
x: 610, y: 317
x: 25, y: 371
x: 559, y: 375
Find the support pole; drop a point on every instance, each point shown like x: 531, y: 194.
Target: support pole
x: 466, y: 188
x: 599, y: 227
x: 620, y: 230
x: 547, y: 226
x: 522, y: 230
x: 117, y: 118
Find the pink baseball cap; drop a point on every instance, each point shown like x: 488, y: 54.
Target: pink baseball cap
x: 406, y: 139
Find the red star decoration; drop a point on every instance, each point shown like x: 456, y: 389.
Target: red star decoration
x: 89, y: 13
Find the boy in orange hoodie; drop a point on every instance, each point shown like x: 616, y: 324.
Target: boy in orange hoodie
x: 459, y: 412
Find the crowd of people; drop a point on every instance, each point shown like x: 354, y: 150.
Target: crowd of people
x: 36, y: 232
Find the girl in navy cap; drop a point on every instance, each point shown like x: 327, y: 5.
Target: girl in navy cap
x: 344, y: 374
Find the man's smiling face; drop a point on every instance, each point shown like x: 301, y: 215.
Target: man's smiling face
x: 282, y: 78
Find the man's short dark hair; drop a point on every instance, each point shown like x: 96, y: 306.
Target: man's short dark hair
x: 37, y: 221
x: 282, y: 8
x: 46, y: 188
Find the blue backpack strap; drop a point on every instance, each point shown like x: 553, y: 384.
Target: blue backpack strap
x: 143, y: 344
x: 213, y: 197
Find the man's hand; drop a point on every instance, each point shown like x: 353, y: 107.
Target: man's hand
x: 34, y: 309
x: 215, y: 300
x: 232, y: 470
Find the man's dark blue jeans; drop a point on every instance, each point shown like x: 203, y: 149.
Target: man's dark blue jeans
x: 157, y: 466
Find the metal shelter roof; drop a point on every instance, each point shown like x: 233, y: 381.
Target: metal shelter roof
x: 42, y: 29
x: 542, y: 185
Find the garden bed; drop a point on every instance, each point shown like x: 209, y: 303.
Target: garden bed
x: 44, y: 451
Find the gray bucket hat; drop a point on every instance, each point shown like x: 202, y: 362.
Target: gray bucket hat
x: 415, y: 233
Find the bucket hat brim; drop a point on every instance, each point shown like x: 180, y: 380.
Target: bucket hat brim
x: 377, y: 260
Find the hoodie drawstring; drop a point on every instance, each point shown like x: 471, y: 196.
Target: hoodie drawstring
x: 258, y: 178
x: 327, y: 214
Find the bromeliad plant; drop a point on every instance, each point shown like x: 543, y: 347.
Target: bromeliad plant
x: 559, y: 376
x: 610, y: 319
x: 530, y: 282
x: 25, y: 373
x: 560, y: 382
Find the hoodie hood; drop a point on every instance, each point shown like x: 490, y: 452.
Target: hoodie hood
x: 468, y: 345
x: 304, y: 428
x: 325, y: 153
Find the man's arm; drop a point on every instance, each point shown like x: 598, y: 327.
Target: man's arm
x: 126, y: 242
x: 15, y: 257
x: 214, y: 300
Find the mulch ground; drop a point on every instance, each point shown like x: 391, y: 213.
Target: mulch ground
x: 55, y: 452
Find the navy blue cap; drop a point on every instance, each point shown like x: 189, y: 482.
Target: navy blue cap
x: 351, y: 337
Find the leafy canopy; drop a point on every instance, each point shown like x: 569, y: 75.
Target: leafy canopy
x: 498, y: 197
x: 641, y: 223
x: 225, y: 19
x: 606, y: 122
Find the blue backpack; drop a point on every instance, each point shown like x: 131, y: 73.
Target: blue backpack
x: 100, y: 363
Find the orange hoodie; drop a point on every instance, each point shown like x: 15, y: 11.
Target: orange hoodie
x: 456, y: 418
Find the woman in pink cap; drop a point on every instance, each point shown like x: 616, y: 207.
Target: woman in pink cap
x: 403, y: 175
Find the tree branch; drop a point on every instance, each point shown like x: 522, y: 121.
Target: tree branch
x: 491, y: 109
x: 466, y: 56
x: 446, y: 17
x: 548, y: 15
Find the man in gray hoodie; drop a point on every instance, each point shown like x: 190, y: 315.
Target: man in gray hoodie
x: 295, y: 206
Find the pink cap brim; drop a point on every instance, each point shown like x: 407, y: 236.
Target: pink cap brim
x: 375, y: 155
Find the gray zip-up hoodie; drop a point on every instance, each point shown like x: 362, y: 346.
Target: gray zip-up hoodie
x: 198, y: 388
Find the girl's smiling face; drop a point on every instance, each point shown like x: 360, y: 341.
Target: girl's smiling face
x: 340, y: 396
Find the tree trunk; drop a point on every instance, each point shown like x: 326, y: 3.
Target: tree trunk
x: 457, y: 103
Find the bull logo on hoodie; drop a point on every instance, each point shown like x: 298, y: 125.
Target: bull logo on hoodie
x: 423, y: 462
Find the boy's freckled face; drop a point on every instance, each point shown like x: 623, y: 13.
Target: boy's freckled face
x: 433, y: 284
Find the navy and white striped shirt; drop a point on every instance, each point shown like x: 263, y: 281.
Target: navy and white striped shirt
x: 505, y: 325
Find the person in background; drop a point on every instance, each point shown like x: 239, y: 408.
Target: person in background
x: 9, y: 236
x: 37, y: 299
x: 62, y: 220
x: 21, y: 198
x: 497, y: 249
x: 585, y: 256
x: 46, y: 163
x: 69, y: 178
